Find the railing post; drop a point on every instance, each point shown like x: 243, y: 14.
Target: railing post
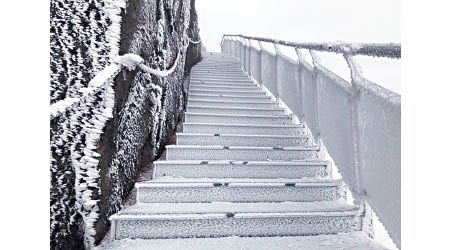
x: 235, y: 47
x: 261, y: 63
x: 355, y: 72
x: 300, y: 60
x: 277, y: 83
x: 240, y: 48
x: 316, y: 62
x: 242, y: 53
x: 249, y: 57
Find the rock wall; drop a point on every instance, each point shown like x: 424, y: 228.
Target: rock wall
x: 98, y: 146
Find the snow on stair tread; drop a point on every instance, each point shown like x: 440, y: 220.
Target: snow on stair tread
x: 208, y: 82
x: 235, y: 102
x: 222, y: 85
x: 227, y: 162
x: 249, y: 125
x: 315, y: 208
x: 207, y: 182
x: 239, y: 115
x: 218, y: 147
x: 347, y: 241
x: 240, y: 135
x: 230, y: 95
x: 235, y: 108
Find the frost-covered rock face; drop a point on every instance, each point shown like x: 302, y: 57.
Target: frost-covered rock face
x: 99, y: 144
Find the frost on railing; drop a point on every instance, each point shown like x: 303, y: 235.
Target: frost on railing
x: 356, y: 122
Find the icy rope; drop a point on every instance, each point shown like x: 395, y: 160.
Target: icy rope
x: 129, y: 61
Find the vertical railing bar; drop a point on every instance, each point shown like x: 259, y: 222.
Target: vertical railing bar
x: 261, y: 62
x: 300, y: 59
x: 249, y: 57
x: 243, y: 54
x: 356, y: 75
x: 316, y: 63
x: 277, y: 84
x: 234, y: 47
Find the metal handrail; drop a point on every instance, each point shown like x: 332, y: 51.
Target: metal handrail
x: 365, y: 109
x: 390, y: 50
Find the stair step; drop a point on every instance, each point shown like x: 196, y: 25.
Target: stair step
x: 351, y: 240
x: 225, y: 83
x: 220, y: 78
x: 242, y: 140
x: 237, y: 119
x: 251, y: 129
x: 176, y: 190
x: 227, y: 97
x: 190, y: 152
x: 223, y: 88
x: 234, y: 110
x: 223, y: 71
x: 241, y: 169
x: 228, y: 92
x: 243, y: 104
x: 218, y: 68
x: 221, y: 219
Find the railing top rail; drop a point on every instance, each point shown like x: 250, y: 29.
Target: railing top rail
x: 390, y: 50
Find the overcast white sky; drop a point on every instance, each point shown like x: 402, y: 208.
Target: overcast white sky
x: 310, y: 21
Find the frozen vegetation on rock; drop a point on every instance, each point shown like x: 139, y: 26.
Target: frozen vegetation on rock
x: 107, y: 113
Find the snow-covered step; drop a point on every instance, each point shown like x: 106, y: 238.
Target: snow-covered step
x: 237, y: 119
x: 235, y: 110
x: 220, y: 97
x: 222, y: 83
x: 218, y: 67
x: 242, y: 140
x: 351, y: 240
x: 223, y: 71
x: 212, y: 87
x: 221, y: 80
x: 213, y: 72
x: 216, y: 81
x: 243, y: 104
x: 221, y: 219
x: 228, y: 92
x: 216, y: 64
x: 183, y: 190
x: 220, y: 76
x: 241, y: 169
x: 250, y: 129
x: 241, y: 153
x: 191, y: 117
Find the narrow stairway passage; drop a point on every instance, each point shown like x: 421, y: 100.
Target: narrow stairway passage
x: 241, y: 176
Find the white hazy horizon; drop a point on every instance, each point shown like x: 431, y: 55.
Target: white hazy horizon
x: 311, y: 21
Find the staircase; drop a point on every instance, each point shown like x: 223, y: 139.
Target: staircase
x: 241, y: 176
